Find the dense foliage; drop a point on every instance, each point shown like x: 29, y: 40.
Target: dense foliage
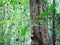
x: 14, y: 22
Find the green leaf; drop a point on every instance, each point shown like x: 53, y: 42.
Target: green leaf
x: 52, y: 7
x: 24, y: 30
x: 44, y: 14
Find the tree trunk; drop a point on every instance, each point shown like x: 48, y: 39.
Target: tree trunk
x: 39, y: 33
x: 54, y: 33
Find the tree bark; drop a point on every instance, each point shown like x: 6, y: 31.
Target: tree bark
x: 38, y: 32
x: 53, y: 31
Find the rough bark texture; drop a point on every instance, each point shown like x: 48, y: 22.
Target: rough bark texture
x: 39, y: 33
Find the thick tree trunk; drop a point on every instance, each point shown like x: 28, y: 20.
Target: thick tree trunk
x: 39, y: 33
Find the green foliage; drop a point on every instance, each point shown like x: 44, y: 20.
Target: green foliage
x: 44, y: 14
x: 42, y: 23
x: 52, y: 7
x: 25, y: 2
x: 14, y: 3
x: 57, y: 14
x: 3, y: 2
x: 14, y: 14
x: 47, y: 14
x: 4, y: 22
x: 24, y: 30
